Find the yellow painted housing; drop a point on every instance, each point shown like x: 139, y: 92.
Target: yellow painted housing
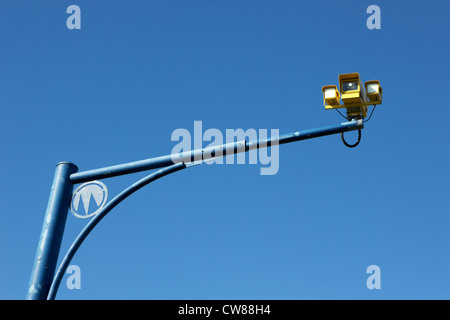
x: 374, y: 92
x: 353, y: 95
x: 331, y: 96
x: 351, y: 88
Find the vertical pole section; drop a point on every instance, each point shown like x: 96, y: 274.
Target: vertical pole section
x: 52, y: 232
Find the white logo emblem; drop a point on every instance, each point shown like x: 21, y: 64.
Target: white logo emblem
x: 84, y: 193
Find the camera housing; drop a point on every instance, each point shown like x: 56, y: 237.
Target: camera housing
x: 374, y: 93
x: 351, y: 88
x: 355, y: 97
x: 331, y: 96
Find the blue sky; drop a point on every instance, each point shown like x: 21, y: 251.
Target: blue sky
x: 115, y: 90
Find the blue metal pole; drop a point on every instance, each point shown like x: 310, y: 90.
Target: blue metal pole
x: 111, y: 205
x: 67, y: 175
x: 191, y: 156
x: 52, y: 232
x: 306, y: 134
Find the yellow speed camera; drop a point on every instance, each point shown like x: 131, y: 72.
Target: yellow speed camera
x: 331, y: 96
x: 351, y: 88
x: 355, y: 96
x: 374, y: 92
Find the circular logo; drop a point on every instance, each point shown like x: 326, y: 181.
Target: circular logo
x: 92, y: 195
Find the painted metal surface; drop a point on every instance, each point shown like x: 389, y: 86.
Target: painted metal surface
x: 52, y: 232
x: 42, y: 285
x: 109, y: 206
x: 306, y: 134
x: 195, y: 155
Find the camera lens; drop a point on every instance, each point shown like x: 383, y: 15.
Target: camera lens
x: 350, y: 85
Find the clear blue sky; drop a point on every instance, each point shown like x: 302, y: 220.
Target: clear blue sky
x: 114, y: 92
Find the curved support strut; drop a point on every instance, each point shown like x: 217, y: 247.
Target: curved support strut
x: 111, y: 205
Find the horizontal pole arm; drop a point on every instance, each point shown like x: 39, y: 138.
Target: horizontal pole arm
x: 210, y: 152
x: 306, y: 134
